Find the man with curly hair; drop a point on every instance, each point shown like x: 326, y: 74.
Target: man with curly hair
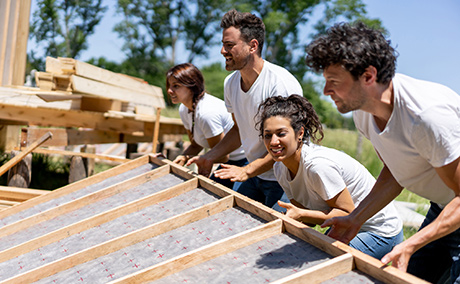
x: 414, y: 126
x: 253, y: 80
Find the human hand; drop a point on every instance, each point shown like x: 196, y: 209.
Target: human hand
x: 158, y: 155
x: 181, y: 160
x: 342, y: 228
x: 231, y: 172
x: 204, y: 165
x: 399, y: 257
x: 292, y: 211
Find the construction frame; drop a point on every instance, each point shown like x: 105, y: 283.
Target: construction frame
x: 151, y: 220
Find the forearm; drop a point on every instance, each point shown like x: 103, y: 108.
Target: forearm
x: 384, y: 191
x: 259, y: 166
x: 318, y: 217
x: 228, y: 144
x: 447, y: 222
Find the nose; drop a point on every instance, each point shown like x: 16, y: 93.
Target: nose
x: 169, y: 91
x: 326, y: 90
x: 223, y: 51
x: 274, y: 140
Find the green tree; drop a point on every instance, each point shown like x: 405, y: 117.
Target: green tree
x: 62, y: 27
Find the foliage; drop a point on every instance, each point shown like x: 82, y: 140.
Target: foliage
x: 63, y: 26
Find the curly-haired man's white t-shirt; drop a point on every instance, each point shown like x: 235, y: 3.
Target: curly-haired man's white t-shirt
x: 423, y: 133
x: 273, y: 80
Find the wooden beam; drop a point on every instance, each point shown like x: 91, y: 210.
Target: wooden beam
x: 203, y: 254
x: 83, y: 201
x: 119, y: 211
x: 321, y: 272
x: 80, y: 154
x: 156, y: 131
x: 25, y: 152
x: 75, y: 186
x: 122, y: 242
x: 20, y: 194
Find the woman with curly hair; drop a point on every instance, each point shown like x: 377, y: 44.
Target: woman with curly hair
x: 204, y: 116
x: 321, y: 182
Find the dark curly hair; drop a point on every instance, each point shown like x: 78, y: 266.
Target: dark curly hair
x: 250, y: 26
x: 298, y: 110
x: 355, y: 47
x: 189, y: 76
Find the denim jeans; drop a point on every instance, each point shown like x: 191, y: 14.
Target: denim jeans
x: 431, y: 261
x: 227, y: 182
x: 375, y: 245
x: 265, y: 191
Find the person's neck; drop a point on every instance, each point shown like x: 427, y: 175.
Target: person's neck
x: 250, y: 72
x: 293, y: 163
x: 383, y: 103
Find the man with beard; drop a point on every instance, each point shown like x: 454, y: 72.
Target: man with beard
x: 254, y: 80
x: 414, y: 126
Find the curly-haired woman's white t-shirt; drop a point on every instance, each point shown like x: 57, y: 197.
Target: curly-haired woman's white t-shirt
x: 323, y: 173
x: 211, y: 119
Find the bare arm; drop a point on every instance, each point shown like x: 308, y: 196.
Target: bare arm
x: 384, y: 191
x: 447, y: 221
x: 341, y: 205
x: 230, y: 142
x: 192, y: 150
x: 253, y: 169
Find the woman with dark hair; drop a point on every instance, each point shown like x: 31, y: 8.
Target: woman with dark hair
x: 320, y: 182
x: 205, y: 117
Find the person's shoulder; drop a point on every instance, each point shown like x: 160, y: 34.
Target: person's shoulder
x: 235, y: 75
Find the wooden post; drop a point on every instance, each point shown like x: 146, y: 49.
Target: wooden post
x: 14, y: 33
x: 156, y: 130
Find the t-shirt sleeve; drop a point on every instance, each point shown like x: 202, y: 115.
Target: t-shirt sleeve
x: 211, y: 124
x: 279, y: 171
x: 183, y: 112
x: 325, y: 178
x: 436, y: 136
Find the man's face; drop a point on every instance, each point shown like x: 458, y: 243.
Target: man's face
x: 235, y: 50
x: 345, y: 91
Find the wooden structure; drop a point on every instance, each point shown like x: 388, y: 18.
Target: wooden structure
x: 151, y: 220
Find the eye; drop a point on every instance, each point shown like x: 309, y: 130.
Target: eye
x: 267, y: 136
x: 282, y: 134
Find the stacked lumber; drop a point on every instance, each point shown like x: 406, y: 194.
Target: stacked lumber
x: 100, y: 89
x: 10, y: 195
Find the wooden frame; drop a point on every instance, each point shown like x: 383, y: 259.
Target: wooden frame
x: 343, y: 259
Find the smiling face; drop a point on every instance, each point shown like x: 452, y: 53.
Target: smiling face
x: 179, y: 93
x: 345, y: 91
x: 281, y: 141
x: 235, y: 50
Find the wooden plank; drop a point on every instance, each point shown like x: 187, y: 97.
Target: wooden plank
x: 81, y: 154
x: 119, y: 211
x: 23, y: 14
x: 321, y: 272
x: 9, y: 137
x: 95, y: 88
x: 123, y: 241
x: 83, y: 201
x: 205, y: 253
x: 25, y: 152
x: 156, y: 131
x: 8, y: 203
x: 20, y: 194
x: 75, y: 186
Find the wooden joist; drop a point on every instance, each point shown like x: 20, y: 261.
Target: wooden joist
x: 174, y: 226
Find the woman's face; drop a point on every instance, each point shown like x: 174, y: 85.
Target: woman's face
x: 280, y: 139
x: 179, y: 93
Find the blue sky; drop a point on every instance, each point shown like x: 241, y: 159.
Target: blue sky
x: 426, y: 34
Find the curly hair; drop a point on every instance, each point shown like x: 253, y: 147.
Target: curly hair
x: 298, y: 110
x: 250, y: 26
x: 189, y: 76
x: 355, y: 47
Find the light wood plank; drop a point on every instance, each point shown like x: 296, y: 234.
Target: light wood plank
x: 105, y: 217
x: 20, y: 194
x: 83, y: 201
x: 12, y: 162
x: 205, y: 253
x: 321, y: 272
x: 81, y: 154
x: 95, y: 88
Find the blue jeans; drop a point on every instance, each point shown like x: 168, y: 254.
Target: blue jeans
x: 266, y: 192
x: 227, y: 182
x: 375, y: 245
x: 434, y: 259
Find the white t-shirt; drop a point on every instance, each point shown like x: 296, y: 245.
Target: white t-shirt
x: 323, y: 173
x: 272, y: 81
x: 423, y: 133
x: 211, y: 119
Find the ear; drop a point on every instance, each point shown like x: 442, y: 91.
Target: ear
x: 369, y: 76
x: 253, y: 46
x: 301, y: 133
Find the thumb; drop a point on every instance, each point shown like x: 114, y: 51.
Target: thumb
x: 190, y: 161
x: 284, y: 204
x: 386, y: 259
x: 328, y: 223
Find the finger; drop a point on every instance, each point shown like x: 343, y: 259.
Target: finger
x: 284, y: 204
x: 191, y: 161
x: 328, y: 223
x: 387, y: 259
